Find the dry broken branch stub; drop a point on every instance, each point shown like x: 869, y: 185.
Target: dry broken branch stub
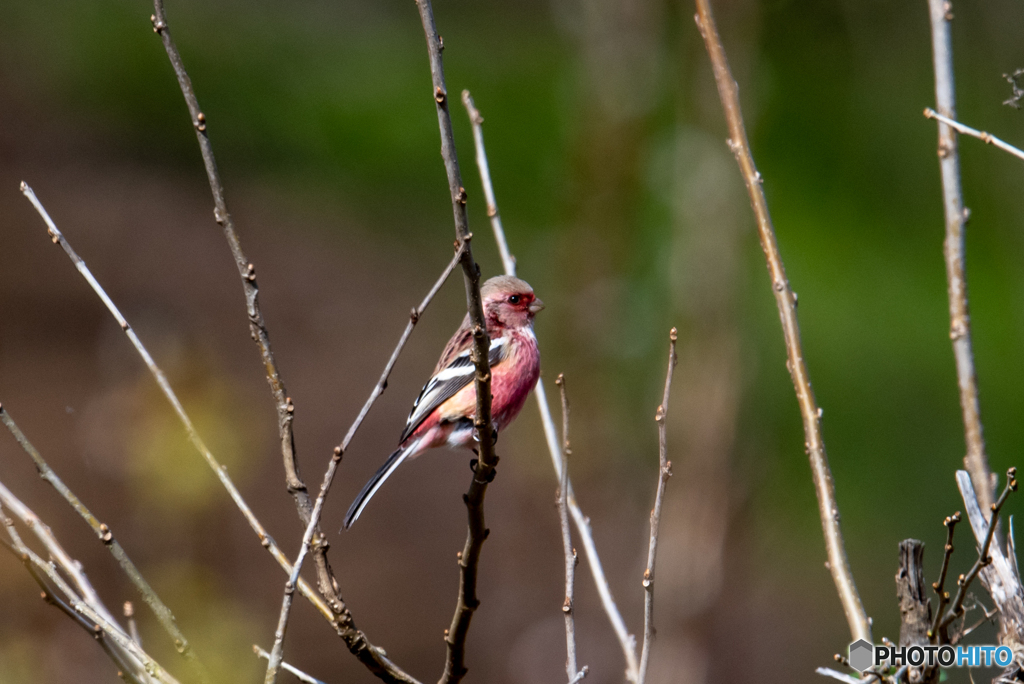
x: 915, y: 608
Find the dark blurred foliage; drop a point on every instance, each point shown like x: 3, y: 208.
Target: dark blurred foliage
x: 627, y: 214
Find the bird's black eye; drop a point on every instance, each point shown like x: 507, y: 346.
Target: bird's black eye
x: 514, y: 299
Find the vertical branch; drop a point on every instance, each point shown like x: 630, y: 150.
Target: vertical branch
x: 571, y: 558
x: 340, y: 616
x: 475, y: 118
x: 455, y: 638
x: 915, y: 608
x: 939, y: 586
x: 975, y: 461
x: 828, y: 509
x: 105, y: 535
x: 582, y: 522
x: 664, y: 472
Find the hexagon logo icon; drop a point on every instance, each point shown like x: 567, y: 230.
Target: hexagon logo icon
x: 861, y: 653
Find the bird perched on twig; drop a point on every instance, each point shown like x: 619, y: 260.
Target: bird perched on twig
x: 443, y: 413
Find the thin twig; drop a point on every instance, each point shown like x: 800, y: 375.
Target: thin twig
x: 341, y: 618
x: 975, y: 461
x: 940, y: 585
x: 51, y: 598
x: 338, y: 617
x: 626, y: 640
x: 160, y: 610
x: 454, y: 668
x: 89, y: 605
x: 964, y: 581
x: 571, y: 559
x: 987, y: 138
x: 277, y: 651
x: 664, y: 472
x: 414, y: 317
x: 828, y: 509
x: 477, y: 121
x: 299, y: 674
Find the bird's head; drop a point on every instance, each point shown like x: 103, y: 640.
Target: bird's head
x: 509, y: 301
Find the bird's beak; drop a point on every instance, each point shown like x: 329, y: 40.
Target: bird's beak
x: 536, y: 306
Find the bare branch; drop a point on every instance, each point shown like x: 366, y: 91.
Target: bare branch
x: 828, y: 509
x: 1000, y: 577
x: 341, y: 617
x: 335, y: 613
x: 246, y: 270
x: 582, y: 522
x: 130, y: 655
x: 299, y: 674
x: 984, y: 559
x: 940, y: 585
x: 507, y: 260
x: 987, y: 138
x: 454, y: 669
x: 51, y: 598
x: 976, y: 462
x: 571, y: 559
x: 276, y: 654
x: 664, y: 472
x: 105, y: 535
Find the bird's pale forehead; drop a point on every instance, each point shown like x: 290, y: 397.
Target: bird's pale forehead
x: 504, y: 285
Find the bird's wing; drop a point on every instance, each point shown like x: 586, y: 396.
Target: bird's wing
x: 446, y: 382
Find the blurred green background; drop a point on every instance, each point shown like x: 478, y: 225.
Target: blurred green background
x: 628, y: 216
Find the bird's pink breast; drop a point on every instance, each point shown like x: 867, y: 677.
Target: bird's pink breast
x: 514, y: 377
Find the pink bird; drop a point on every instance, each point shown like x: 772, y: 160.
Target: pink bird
x: 443, y: 413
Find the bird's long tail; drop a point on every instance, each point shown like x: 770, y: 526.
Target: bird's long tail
x: 371, y: 487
